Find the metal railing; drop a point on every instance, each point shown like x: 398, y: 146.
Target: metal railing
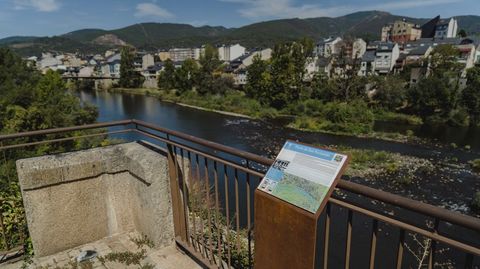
x: 212, y: 188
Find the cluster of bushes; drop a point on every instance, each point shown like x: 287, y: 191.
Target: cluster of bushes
x: 339, y: 117
x: 232, y: 101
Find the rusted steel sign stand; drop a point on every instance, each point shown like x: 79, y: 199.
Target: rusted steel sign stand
x: 288, y: 203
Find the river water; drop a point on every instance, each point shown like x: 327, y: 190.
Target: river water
x: 451, y: 185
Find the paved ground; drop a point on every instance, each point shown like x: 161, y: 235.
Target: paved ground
x: 165, y: 258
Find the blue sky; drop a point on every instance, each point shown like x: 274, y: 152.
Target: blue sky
x: 51, y: 17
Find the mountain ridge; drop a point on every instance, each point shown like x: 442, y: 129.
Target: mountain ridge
x: 152, y: 36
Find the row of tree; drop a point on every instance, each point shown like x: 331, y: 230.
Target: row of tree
x: 437, y: 97
x: 280, y: 82
x: 206, y: 76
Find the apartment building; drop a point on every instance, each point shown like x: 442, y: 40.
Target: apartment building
x: 228, y: 53
x: 181, y: 54
x: 386, y: 57
x: 446, y: 28
x: 403, y: 31
x: 327, y: 47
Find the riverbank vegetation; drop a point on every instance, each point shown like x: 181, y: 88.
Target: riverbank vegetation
x: 476, y: 165
x: 371, y: 165
x: 340, y: 101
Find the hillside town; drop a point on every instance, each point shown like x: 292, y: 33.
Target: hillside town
x: 402, y: 43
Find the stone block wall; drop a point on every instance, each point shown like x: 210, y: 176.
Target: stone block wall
x: 75, y: 198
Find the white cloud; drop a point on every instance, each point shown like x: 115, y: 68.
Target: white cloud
x: 289, y: 9
x: 39, y: 5
x: 152, y: 10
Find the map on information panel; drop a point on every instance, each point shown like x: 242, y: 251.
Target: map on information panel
x: 302, y: 175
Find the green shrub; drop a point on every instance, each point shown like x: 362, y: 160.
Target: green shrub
x: 404, y: 179
x: 459, y: 117
x: 310, y: 107
x: 391, y: 168
x: 383, y: 115
x: 475, y: 165
x: 476, y: 201
x: 353, y: 118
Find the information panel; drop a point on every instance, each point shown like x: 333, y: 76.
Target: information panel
x: 302, y: 175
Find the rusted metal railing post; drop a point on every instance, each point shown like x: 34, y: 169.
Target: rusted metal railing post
x: 177, y: 201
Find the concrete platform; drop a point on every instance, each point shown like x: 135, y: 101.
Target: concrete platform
x: 165, y: 258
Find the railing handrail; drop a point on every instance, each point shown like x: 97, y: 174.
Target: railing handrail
x: 390, y: 198
x: 65, y: 129
x: 203, y: 142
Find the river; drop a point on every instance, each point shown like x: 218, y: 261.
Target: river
x: 451, y: 185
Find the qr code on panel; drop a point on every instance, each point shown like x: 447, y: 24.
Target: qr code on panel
x: 280, y: 165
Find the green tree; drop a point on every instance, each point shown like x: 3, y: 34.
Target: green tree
x: 166, y: 79
x: 209, y: 70
x: 344, y: 85
x: 471, y: 95
x: 221, y: 84
x: 185, y: 76
x: 258, y: 80
x: 432, y: 96
x: 320, y: 86
x: 390, y: 92
x: 129, y: 78
x: 444, y: 62
x: 287, y: 72
x: 462, y: 33
x: 16, y: 80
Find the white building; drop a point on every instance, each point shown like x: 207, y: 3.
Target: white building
x: 327, y: 47
x: 385, y: 57
x: 246, y: 60
x: 109, y: 53
x: 111, y: 69
x: 446, y: 28
x: 86, y: 71
x: 359, y: 47
x: 198, y: 52
x: 367, y: 63
x: 72, y: 61
x: 386, y: 32
x: 114, y: 57
x: 147, y: 61
x: 477, y: 55
x: 418, y: 54
x: 181, y: 54
x: 49, y: 61
x: 240, y: 77
x: 230, y: 52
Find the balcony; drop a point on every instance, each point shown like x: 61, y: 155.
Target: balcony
x: 184, y: 202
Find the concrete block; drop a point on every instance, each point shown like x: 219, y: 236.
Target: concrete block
x: 75, y: 198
